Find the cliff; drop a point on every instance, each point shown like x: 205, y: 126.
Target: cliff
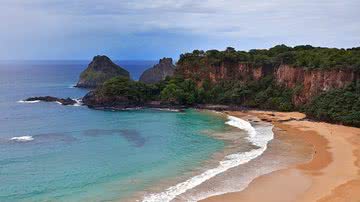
x: 98, y: 71
x: 310, y: 83
x: 322, y: 82
x: 225, y: 71
x: 305, y: 83
x: 158, y: 72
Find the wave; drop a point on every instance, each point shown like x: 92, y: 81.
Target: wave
x: 25, y: 138
x: 258, y: 139
x: 167, y: 109
x: 28, y: 102
x: 78, y: 102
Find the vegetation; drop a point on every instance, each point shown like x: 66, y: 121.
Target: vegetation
x: 338, y: 105
x: 302, y: 56
x: 134, y: 92
x: 262, y: 94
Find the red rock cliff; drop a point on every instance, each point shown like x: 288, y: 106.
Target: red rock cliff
x: 312, y: 82
x: 225, y: 71
x: 306, y: 83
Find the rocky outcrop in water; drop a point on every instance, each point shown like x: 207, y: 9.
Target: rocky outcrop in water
x: 98, y: 71
x: 67, y: 101
x: 158, y: 72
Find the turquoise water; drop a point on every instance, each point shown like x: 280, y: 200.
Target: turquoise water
x: 80, y: 154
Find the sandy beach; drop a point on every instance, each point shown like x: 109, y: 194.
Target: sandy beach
x: 333, y: 174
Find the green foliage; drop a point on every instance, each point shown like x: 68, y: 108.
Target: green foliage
x: 262, y: 94
x: 180, y: 91
x: 338, y: 105
x: 135, y: 92
x: 302, y: 56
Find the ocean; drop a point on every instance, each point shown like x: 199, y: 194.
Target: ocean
x: 50, y: 152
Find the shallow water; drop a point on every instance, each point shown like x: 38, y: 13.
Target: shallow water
x: 69, y: 153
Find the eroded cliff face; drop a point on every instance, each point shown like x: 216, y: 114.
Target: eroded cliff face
x: 305, y: 83
x: 309, y: 83
x: 225, y: 71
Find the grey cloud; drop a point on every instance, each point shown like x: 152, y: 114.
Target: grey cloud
x: 322, y: 22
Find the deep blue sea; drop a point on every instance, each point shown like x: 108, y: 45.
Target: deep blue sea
x: 79, y: 154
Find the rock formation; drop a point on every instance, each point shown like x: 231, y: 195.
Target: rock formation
x: 98, y: 71
x: 67, y: 101
x: 312, y: 82
x: 308, y: 82
x: 158, y: 72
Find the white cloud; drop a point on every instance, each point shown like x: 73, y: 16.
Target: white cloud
x: 322, y: 22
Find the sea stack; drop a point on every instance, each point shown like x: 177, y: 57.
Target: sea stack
x: 98, y: 71
x: 158, y: 72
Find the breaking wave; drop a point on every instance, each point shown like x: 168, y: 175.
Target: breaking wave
x: 256, y: 138
x: 25, y: 138
x: 28, y: 102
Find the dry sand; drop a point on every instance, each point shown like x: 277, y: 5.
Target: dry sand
x: 333, y: 174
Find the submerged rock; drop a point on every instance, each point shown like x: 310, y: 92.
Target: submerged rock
x: 158, y: 72
x: 67, y: 101
x: 98, y: 71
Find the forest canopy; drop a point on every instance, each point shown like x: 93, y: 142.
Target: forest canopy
x: 300, y: 56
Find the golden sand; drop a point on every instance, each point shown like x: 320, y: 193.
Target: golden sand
x: 333, y: 174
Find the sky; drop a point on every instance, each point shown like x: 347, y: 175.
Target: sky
x: 152, y: 29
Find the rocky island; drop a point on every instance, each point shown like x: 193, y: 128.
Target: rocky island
x: 158, y: 72
x: 98, y: 71
x: 66, y: 101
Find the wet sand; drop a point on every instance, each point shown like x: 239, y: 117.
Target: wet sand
x: 333, y: 174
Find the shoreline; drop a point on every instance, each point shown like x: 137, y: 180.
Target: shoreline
x: 333, y: 174
x: 244, y: 134
x: 270, y: 159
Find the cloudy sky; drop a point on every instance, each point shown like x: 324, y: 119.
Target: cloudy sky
x: 149, y: 29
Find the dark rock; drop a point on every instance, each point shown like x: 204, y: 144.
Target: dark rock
x: 221, y: 107
x: 67, y: 101
x: 158, y: 72
x: 292, y: 119
x: 95, y: 101
x: 98, y: 71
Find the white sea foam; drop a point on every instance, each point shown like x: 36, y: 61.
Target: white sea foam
x: 167, y: 109
x: 258, y: 139
x: 28, y: 102
x: 25, y: 138
x: 78, y: 102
